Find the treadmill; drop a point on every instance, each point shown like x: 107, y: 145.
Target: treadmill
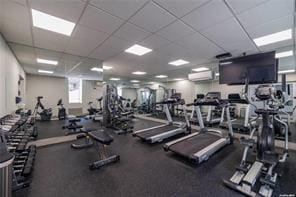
x: 239, y: 124
x: 161, y: 132
x: 193, y: 119
x: 212, y: 118
x: 198, y: 147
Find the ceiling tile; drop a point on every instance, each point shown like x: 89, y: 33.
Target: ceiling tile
x: 22, y: 2
x: 274, y: 26
x: 208, y: 15
x: 16, y: 32
x: 24, y: 54
x: 81, y: 47
x: 104, y: 53
x: 85, y: 33
x: 201, y: 46
x: 175, y: 31
x: 266, y: 12
x: 173, y: 51
x: 180, y: 8
x: 121, y: 8
x: 154, y: 41
x: 100, y: 20
x: 47, y: 54
x: 48, y: 40
x: 230, y: 36
x: 9, y: 10
x: 66, y: 9
x: 239, y: 6
x: 117, y: 43
x: 131, y: 32
x: 152, y: 22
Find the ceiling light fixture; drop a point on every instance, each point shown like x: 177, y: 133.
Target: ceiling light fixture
x: 284, y: 54
x: 200, y: 69
x: 225, y: 63
x: 114, y: 79
x: 97, y: 69
x: 45, y: 71
x: 135, y: 81
x: 286, y: 71
x: 107, y: 67
x: 217, y: 74
x: 44, y: 61
x: 179, y: 62
x: 52, y: 23
x: 161, y: 76
x: 273, y: 38
x: 138, y: 50
x: 178, y: 79
x: 139, y: 73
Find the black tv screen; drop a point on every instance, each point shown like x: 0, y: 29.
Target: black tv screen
x: 257, y: 69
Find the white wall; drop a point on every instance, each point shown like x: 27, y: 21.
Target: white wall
x: 10, y: 70
x: 54, y: 88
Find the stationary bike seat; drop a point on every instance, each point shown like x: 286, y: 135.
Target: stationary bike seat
x: 101, y: 136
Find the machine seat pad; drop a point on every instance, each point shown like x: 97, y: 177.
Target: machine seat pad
x: 127, y: 113
x: 101, y: 136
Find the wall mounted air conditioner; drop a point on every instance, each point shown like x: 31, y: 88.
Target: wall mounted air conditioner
x: 201, y: 76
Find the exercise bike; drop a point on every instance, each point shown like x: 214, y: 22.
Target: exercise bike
x: 45, y: 114
x: 261, y: 173
x: 62, y: 115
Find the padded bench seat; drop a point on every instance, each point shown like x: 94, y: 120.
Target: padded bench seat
x: 127, y: 113
x: 101, y: 136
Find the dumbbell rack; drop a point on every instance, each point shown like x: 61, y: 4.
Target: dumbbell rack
x: 16, y: 132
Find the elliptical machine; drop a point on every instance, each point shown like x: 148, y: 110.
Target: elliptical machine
x: 62, y: 115
x: 261, y: 173
x: 45, y: 114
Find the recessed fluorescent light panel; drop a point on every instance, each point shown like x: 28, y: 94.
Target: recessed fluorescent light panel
x: 225, y: 63
x: 45, y: 71
x: 273, y: 38
x: 114, y: 79
x: 200, y: 69
x: 44, y: 61
x: 52, y: 23
x: 138, y: 50
x: 178, y: 79
x: 139, y: 73
x: 286, y: 71
x: 107, y: 67
x: 97, y: 69
x: 178, y: 62
x: 284, y: 54
x: 217, y: 74
x: 161, y: 76
x: 135, y: 81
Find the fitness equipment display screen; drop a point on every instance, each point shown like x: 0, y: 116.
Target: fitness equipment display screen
x: 257, y: 69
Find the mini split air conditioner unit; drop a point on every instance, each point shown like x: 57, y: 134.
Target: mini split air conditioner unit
x: 201, y: 76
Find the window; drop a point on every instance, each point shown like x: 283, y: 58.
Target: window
x: 119, y: 91
x: 75, y: 90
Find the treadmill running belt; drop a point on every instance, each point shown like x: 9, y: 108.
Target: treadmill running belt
x: 190, y: 146
x: 153, y: 132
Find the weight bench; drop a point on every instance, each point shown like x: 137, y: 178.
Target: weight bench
x: 73, y: 127
x: 99, y: 139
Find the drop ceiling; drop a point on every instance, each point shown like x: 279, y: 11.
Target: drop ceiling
x: 193, y: 30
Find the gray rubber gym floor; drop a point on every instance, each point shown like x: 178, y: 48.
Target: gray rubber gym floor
x: 144, y: 170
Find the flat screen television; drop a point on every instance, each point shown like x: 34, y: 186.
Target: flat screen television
x: 257, y: 69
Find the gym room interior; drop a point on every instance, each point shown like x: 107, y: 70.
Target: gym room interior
x: 147, y: 98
